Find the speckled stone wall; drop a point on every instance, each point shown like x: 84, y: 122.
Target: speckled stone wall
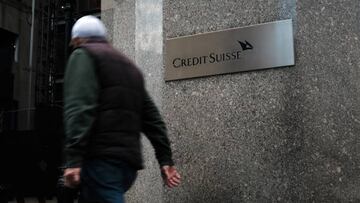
x: 281, y: 135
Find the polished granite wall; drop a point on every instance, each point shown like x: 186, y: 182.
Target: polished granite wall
x: 279, y: 135
x: 282, y: 135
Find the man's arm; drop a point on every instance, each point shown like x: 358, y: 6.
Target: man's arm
x: 155, y: 129
x: 80, y: 101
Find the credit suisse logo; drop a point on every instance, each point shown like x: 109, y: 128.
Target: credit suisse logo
x: 212, y: 57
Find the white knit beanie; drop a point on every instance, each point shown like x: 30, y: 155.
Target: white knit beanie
x: 88, y: 26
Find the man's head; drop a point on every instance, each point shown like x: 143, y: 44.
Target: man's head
x: 85, y: 28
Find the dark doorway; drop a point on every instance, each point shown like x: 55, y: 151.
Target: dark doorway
x: 7, y: 57
x: 7, y: 49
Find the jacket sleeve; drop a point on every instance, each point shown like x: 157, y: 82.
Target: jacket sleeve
x: 80, y: 100
x: 155, y: 130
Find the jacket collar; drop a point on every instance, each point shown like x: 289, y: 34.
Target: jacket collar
x: 96, y: 40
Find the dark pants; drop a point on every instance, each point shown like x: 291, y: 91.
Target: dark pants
x: 105, y: 181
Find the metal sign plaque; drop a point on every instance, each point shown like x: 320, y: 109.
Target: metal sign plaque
x: 254, y: 47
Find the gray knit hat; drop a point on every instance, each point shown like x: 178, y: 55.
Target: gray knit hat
x: 88, y: 26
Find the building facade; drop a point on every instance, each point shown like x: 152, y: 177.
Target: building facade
x: 288, y: 134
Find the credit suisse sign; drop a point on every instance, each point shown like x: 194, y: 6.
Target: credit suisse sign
x: 261, y: 46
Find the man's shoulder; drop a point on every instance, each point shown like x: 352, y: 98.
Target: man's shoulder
x: 79, y: 54
x: 79, y: 57
x: 79, y: 51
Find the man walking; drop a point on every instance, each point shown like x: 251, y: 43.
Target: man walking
x: 106, y: 108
